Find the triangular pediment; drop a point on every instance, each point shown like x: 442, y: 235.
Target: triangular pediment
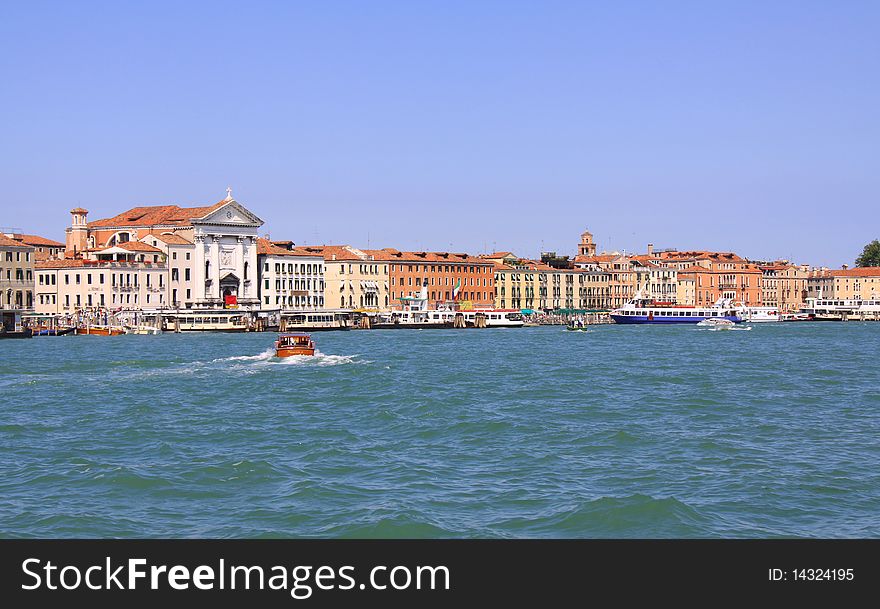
x: 230, y: 212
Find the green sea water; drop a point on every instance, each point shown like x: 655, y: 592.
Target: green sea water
x: 622, y: 431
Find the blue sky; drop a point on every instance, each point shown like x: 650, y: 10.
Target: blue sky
x: 745, y: 126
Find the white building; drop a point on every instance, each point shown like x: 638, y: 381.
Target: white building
x: 290, y: 278
x: 210, y: 252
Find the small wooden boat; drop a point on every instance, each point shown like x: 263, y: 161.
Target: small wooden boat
x: 101, y: 330
x: 294, y: 343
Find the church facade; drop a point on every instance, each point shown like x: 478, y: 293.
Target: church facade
x: 208, y: 254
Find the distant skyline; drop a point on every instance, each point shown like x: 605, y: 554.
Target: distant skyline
x: 749, y: 127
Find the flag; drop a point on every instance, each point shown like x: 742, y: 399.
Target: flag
x: 456, y: 289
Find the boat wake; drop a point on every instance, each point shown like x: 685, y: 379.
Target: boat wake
x: 267, y: 354
x: 318, y: 359
x: 267, y: 357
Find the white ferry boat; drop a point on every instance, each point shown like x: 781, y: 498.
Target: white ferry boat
x: 316, y: 321
x: 206, y: 321
x: 414, y: 313
x: 837, y: 309
x: 641, y: 310
x: 759, y: 314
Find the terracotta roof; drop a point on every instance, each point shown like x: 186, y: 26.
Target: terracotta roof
x: 172, y: 239
x: 7, y: 242
x: 138, y: 246
x: 157, y: 215
x: 79, y: 210
x: 65, y: 263
x: 776, y: 267
x: 579, y: 259
x: 860, y: 271
x: 40, y: 241
x: 497, y: 255
x: 701, y: 269
x: 418, y: 257
x: 341, y: 252
x: 700, y: 255
x: 62, y: 263
x: 268, y: 248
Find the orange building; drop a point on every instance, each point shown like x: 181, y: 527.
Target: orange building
x: 716, y: 275
x: 446, y: 277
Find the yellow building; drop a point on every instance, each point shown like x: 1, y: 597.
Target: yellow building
x: 530, y: 284
x: 353, y: 279
x: 686, y: 289
x: 784, y: 286
x: 860, y: 283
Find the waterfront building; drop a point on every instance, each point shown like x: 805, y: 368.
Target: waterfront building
x: 43, y: 248
x: 624, y: 275
x: 113, y: 281
x: 289, y: 278
x: 465, y: 279
x: 16, y: 274
x: 716, y: 275
x: 685, y: 293
x: 531, y: 284
x: 354, y: 279
x: 221, y: 263
x: 820, y: 283
x: 518, y: 283
x: 784, y: 285
x: 859, y: 283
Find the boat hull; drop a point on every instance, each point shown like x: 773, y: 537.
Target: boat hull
x: 22, y: 334
x: 657, y: 319
x: 289, y: 351
x: 101, y: 331
x: 52, y: 331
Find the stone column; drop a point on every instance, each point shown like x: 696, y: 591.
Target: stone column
x: 215, y: 267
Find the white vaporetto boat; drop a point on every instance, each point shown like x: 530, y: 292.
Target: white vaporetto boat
x: 414, y: 313
x: 642, y: 310
x: 759, y: 314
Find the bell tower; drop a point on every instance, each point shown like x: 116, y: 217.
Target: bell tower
x: 587, y: 247
x: 78, y: 233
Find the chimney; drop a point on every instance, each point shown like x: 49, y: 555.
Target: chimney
x: 844, y: 267
x: 650, y: 249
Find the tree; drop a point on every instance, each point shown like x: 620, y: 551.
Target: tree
x: 870, y: 255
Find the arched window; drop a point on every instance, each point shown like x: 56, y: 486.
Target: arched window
x: 342, y: 302
x: 207, y: 269
x: 245, y: 271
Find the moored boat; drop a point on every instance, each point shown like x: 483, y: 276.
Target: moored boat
x: 759, y: 314
x: 101, y: 330
x: 40, y: 331
x: 294, y: 343
x: 11, y: 325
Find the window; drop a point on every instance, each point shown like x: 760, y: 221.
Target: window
x: 186, y: 273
